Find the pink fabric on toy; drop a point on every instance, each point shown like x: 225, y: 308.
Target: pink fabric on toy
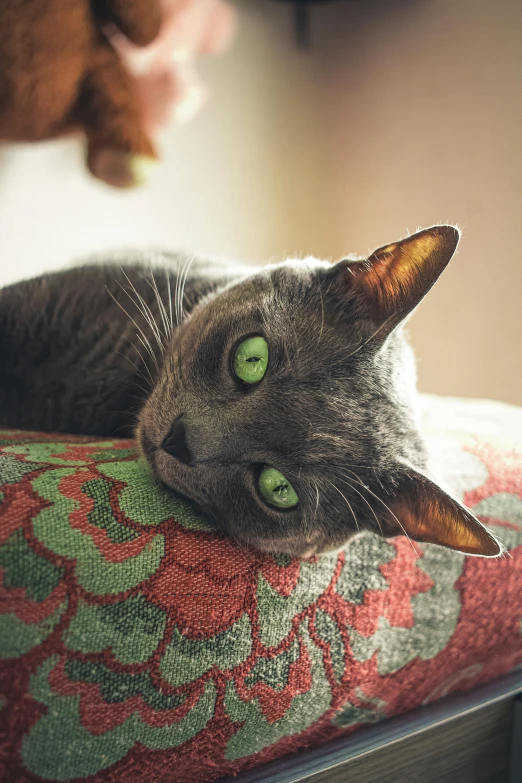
x: 169, y: 83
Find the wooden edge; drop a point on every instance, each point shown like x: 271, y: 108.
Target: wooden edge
x: 302, y: 765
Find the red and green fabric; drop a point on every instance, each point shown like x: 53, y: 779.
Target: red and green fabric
x: 137, y: 644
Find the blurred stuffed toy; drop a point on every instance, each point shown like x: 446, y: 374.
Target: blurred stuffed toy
x: 167, y: 77
x: 69, y: 65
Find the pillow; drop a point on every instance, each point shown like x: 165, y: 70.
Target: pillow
x: 137, y: 644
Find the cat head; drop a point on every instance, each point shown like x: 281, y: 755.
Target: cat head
x: 285, y: 406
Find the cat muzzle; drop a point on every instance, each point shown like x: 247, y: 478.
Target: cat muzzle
x: 175, y: 442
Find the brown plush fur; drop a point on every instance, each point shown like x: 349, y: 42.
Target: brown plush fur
x: 59, y: 73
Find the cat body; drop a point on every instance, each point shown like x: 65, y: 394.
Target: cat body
x: 70, y: 360
x: 322, y: 442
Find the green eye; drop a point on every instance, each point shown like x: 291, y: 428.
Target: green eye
x: 276, y: 490
x: 251, y: 359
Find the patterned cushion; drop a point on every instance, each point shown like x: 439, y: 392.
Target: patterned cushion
x: 137, y: 644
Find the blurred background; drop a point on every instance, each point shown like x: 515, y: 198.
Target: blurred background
x: 404, y: 113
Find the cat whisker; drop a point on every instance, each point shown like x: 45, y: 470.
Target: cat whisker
x: 146, y: 312
x: 133, y: 409
x: 163, y: 312
x: 159, y: 300
x: 170, y: 301
x: 189, y: 299
x: 346, y: 501
x: 317, y: 502
x: 180, y: 267
x: 141, y: 388
x: 148, y: 380
x: 184, y: 276
x: 176, y: 294
x: 153, y: 357
x: 140, y: 374
x: 141, y: 336
x: 178, y: 303
x: 178, y: 318
x: 388, y: 509
x: 350, y: 484
x: 130, y: 409
x: 138, y: 302
x: 142, y: 312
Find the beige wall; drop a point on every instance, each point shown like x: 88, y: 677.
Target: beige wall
x: 423, y: 119
x: 402, y: 115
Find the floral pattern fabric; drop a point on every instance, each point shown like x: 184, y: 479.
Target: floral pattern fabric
x: 137, y: 644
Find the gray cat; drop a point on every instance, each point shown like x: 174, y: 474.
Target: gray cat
x: 280, y: 400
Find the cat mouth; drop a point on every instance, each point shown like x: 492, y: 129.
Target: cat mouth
x: 166, y: 467
x: 178, y: 477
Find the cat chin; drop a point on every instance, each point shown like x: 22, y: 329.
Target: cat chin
x: 281, y: 548
x: 313, y: 547
x: 294, y: 547
x: 278, y: 547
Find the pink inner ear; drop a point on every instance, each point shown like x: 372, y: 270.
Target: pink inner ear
x: 396, y: 277
x: 426, y: 513
x: 431, y: 522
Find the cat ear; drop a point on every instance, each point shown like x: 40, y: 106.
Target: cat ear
x: 392, y: 281
x: 422, y: 510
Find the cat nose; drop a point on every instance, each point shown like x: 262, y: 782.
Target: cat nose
x: 175, y: 442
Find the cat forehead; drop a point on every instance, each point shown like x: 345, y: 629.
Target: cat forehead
x: 267, y: 288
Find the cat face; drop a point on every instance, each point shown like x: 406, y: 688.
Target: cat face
x: 285, y: 406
